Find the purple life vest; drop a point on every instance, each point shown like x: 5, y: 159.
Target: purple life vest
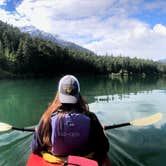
x: 70, y: 133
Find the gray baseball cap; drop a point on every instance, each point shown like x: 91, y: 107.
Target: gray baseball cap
x: 69, y: 89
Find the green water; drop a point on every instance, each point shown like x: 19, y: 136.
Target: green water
x: 114, y: 100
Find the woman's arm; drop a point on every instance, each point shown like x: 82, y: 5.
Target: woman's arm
x: 36, y: 145
x: 98, y: 141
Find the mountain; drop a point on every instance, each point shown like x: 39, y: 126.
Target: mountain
x: 54, y: 38
x: 162, y: 60
x: 27, y: 56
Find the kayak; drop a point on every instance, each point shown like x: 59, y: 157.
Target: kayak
x: 36, y: 160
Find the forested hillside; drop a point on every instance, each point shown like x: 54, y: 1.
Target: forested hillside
x: 21, y: 54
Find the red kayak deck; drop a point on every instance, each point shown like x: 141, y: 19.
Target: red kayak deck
x: 35, y: 160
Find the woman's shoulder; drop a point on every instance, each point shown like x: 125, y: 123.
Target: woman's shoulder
x: 91, y: 115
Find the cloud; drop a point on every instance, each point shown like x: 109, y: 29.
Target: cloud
x: 102, y: 26
x: 14, y: 19
x: 66, y: 9
x: 141, y: 41
x: 2, y: 2
x: 153, y: 5
x: 160, y: 29
x: 43, y: 14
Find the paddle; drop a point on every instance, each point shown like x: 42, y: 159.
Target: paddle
x: 6, y: 127
x: 139, y: 122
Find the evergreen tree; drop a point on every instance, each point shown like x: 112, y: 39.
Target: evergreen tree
x: 22, y: 54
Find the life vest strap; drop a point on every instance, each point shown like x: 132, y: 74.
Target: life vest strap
x: 53, y: 159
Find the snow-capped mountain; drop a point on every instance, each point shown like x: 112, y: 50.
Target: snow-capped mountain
x: 54, y: 38
x: 162, y: 60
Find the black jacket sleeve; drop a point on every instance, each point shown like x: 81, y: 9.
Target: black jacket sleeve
x: 36, y: 147
x: 98, y: 142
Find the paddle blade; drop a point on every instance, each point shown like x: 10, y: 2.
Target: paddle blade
x: 148, y: 120
x: 5, y: 127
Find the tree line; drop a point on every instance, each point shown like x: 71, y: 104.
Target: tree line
x: 23, y: 55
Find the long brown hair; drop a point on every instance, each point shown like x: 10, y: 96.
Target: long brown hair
x: 44, y: 127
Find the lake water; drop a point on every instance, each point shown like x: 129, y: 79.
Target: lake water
x: 114, y: 100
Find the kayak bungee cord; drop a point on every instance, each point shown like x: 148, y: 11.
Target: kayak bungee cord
x: 67, y: 163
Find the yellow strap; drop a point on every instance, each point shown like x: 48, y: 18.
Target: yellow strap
x: 53, y: 159
x: 59, y: 160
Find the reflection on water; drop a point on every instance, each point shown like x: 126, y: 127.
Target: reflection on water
x: 144, y: 146
x: 133, y: 145
x: 23, y: 101
x: 115, y: 100
x: 14, y: 148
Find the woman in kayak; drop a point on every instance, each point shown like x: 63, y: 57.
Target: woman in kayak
x: 67, y: 127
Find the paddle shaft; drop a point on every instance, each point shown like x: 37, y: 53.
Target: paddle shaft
x: 116, y: 126
x: 139, y: 122
x: 23, y: 129
x: 105, y: 127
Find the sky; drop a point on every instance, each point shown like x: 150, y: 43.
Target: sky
x: 134, y: 28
